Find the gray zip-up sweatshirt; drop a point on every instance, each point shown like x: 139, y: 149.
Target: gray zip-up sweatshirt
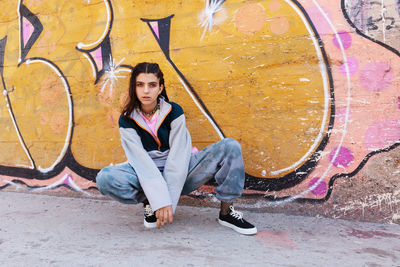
x: 161, y: 162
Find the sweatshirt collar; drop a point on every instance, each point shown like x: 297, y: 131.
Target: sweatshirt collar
x: 165, y: 109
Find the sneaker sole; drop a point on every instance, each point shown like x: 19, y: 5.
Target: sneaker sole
x: 149, y: 225
x: 250, y: 231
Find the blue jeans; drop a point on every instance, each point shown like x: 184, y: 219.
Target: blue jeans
x: 222, y: 160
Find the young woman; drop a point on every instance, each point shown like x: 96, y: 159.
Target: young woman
x: 161, y: 165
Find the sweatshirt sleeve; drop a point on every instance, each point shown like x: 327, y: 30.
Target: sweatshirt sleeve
x: 177, y: 164
x: 150, y: 178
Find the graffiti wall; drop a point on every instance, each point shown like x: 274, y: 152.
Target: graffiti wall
x: 309, y: 88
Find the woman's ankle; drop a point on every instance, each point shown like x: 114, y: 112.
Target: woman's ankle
x: 225, y: 207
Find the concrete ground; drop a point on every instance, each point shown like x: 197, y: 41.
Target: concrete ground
x: 40, y: 230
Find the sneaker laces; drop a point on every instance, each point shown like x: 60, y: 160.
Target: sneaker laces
x: 236, y: 214
x: 148, y: 211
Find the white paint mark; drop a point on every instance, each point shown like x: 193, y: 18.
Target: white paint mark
x: 264, y: 173
x: 396, y: 217
x: 91, y: 64
x: 304, y: 80
x: 259, y: 66
x: 213, y: 198
x: 69, y: 99
x: 22, y: 165
x: 372, y: 201
x: 66, y: 179
x: 104, y: 83
x: 11, y: 183
x: 111, y: 76
x: 19, y: 134
x: 107, y: 28
x: 212, y: 7
x: 383, y: 21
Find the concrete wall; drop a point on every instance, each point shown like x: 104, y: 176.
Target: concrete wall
x: 310, y: 88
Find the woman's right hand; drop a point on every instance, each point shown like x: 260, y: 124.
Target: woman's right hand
x: 164, y: 215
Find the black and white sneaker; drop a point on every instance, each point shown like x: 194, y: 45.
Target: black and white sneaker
x: 150, y: 220
x: 234, y: 220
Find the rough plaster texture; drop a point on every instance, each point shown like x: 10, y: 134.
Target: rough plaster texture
x: 43, y: 230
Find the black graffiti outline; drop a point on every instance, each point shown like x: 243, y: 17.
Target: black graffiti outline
x: 3, y: 43
x: 398, y: 6
x: 331, y: 181
x: 29, y: 187
x: 37, y: 30
x: 163, y: 42
x: 366, y: 158
x: 106, y: 55
x: 359, y: 32
x: 68, y: 159
x: 252, y: 182
x: 106, y: 51
x: 371, y: 21
x: 298, y: 175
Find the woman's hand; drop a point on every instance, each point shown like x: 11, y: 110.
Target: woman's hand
x: 164, y: 215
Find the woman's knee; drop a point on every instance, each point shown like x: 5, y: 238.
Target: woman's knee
x: 103, y: 179
x: 232, y: 145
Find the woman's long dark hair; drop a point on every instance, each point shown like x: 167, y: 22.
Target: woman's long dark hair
x: 144, y: 67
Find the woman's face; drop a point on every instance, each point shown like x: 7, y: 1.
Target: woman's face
x: 147, y: 90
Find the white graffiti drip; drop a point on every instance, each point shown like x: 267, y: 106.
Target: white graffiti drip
x: 212, y: 7
x: 220, y: 134
x: 111, y: 76
x: 67, y: 180
x: 383, y: 13
x: 11, y: 183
